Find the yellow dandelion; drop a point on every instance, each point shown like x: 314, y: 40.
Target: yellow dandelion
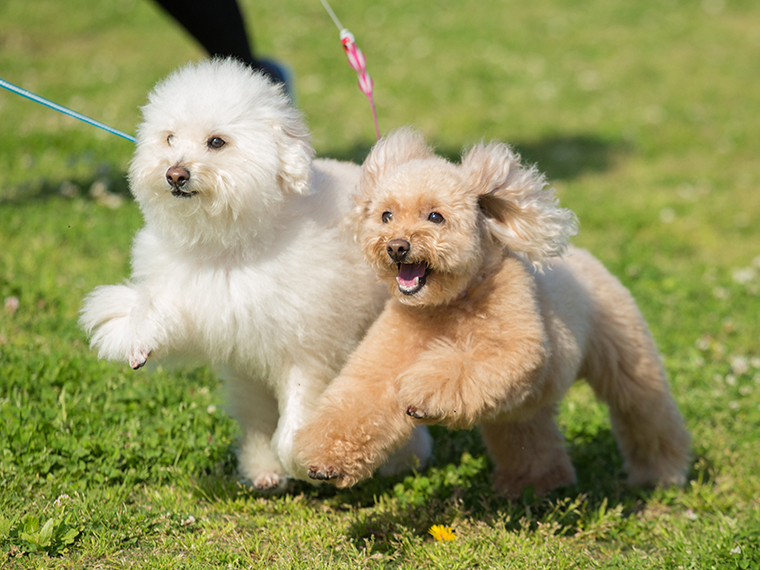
x: 442, y: 533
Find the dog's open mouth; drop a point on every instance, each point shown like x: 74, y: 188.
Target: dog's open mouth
x: 179, y: 179
x: 411, y: 277
x: 180, y: 193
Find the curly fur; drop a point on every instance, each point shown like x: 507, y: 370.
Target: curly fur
x: 494, y: 332
x: 242, y: 265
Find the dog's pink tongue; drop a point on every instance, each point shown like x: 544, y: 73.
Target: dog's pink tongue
x: 409, y: 273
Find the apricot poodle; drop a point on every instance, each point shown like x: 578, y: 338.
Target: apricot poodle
x: 492, y: 317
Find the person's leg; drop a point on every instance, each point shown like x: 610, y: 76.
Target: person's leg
x: 219, y: 27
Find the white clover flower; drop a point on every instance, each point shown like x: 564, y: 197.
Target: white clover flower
x: 744, y: 275
x: 721, y: 293
x: 739, y: 364
x: 12, y: 304
x: 61, y: 499
x: 667, y: 215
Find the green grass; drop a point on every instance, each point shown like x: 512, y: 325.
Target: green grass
x: 645, y: 116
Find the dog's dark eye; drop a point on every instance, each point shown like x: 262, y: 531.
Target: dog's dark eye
x: 387, y: 217
x: 436, y: 218
x: 216, y: 143
x: 169, y: 139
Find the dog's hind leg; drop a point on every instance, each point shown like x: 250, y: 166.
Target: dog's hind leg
x: 528, y: 453
x: 624, y: 369
x: 297, y: 395
x: 255, y: 407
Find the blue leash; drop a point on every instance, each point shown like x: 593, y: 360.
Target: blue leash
x: 42, y: 101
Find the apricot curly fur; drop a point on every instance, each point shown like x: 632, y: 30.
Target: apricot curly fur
x: 503, y: 320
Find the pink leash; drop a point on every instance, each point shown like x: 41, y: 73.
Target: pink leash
x: 357, y: 61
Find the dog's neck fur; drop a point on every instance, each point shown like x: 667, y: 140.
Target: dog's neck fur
x: 208, y: 245
x: 477, y: 297
x: 204, y: 236
x: 488, y: 269
x: 477, y: 287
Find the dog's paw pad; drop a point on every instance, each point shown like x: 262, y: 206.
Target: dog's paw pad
x: 416, y: 413
x: 139, y: 359
x: 267, y: 482
x: 450, y: 418
x: 323, y: 474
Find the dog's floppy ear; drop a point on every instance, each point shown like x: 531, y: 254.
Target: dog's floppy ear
x: 295, y: 152
x: 518, y: 209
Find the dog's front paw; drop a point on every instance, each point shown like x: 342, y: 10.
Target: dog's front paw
x: 139, y: 357
x: 121, y: 324
x: 440, y: 389
x: 442, y: 405
x: 117, y: 340
x: 326, y: 458
x: 435, y: 415
x: 323, y: 473
x: 340, y: 477
x: 269, y: 481
x: 423, y: 415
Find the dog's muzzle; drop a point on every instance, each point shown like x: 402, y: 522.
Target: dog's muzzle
x: 178, y: 177
x: 411, y: 275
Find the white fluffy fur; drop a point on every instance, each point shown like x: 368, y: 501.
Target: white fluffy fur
x: 248, y: 271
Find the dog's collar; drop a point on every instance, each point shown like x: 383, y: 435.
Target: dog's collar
x: 477, y: 281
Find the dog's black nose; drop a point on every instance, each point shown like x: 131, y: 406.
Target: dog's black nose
x: 398, y: 248
x: 177, y: 176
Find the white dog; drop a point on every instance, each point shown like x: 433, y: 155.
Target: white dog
x: 242, y: 262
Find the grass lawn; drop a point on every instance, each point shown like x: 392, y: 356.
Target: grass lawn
x: 646, y: 117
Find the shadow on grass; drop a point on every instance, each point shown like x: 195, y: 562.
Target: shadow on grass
x: 560, y: 157
x: 458, y: 485
x: 105, y: 185
x: 383, y: 511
